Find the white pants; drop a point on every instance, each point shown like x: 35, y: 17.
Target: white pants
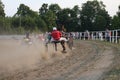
x: 62, y: 38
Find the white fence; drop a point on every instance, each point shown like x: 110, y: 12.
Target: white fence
x: 109, y: 35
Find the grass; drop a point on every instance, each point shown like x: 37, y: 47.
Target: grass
x: 113, y: 74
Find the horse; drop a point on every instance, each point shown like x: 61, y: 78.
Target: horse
x: 66, y: 39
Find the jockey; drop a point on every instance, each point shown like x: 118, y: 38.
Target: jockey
x: 57, y: 37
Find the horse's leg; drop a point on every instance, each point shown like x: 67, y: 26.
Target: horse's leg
x: 70, y: 43
x: 63, y: 45
x: 55, y: 46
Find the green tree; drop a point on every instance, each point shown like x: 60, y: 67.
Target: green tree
x: 69, y: 18
x: 25, y: 18
x: 55, y: 8
x: 64, y: 18
x: 76, y: 22
x: 2, y: 17
x: 43, y: 10
x: 16, y: 22
x: 24, y: 10
x: 2, y: 13
x: 7, y: 23
x: 100, y: 23
x: 41, y: 24
x: 48, y: 14
x: 28, y: 23
x: 91, y: 11
x: 116, y: 20
x: 50, y: 19
x: 118, y: 13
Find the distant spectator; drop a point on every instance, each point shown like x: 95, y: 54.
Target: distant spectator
x: 87, y: 35
x: 101, y: 36
x: 107, y: 34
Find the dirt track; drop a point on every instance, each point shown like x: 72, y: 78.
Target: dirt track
x: 88, y: 61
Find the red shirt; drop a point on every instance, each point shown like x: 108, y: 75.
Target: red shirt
x: 56, y: 34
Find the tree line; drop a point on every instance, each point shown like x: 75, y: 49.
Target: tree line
x: 91, y: 16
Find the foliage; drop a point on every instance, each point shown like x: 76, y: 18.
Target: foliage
x: 115, y: 23
x: 40, y: 23
x: 55, y: 8
x: 92, y: 12
x: 2, y: 14
x: 91, y: 16
x: 116, y: 20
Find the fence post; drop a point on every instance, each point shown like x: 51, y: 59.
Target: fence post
x: 116, y: 36
x: 113, y: 36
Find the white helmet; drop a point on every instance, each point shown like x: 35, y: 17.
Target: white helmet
x: 54, y: 28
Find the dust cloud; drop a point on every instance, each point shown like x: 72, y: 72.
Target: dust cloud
x: 17, y: 54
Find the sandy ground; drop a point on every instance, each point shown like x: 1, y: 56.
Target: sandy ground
x: 22, y: 61
x: 15, y: 54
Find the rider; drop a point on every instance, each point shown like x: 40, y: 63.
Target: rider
x: 57, y: 37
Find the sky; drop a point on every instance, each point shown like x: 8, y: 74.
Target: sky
x: 12, y: 5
